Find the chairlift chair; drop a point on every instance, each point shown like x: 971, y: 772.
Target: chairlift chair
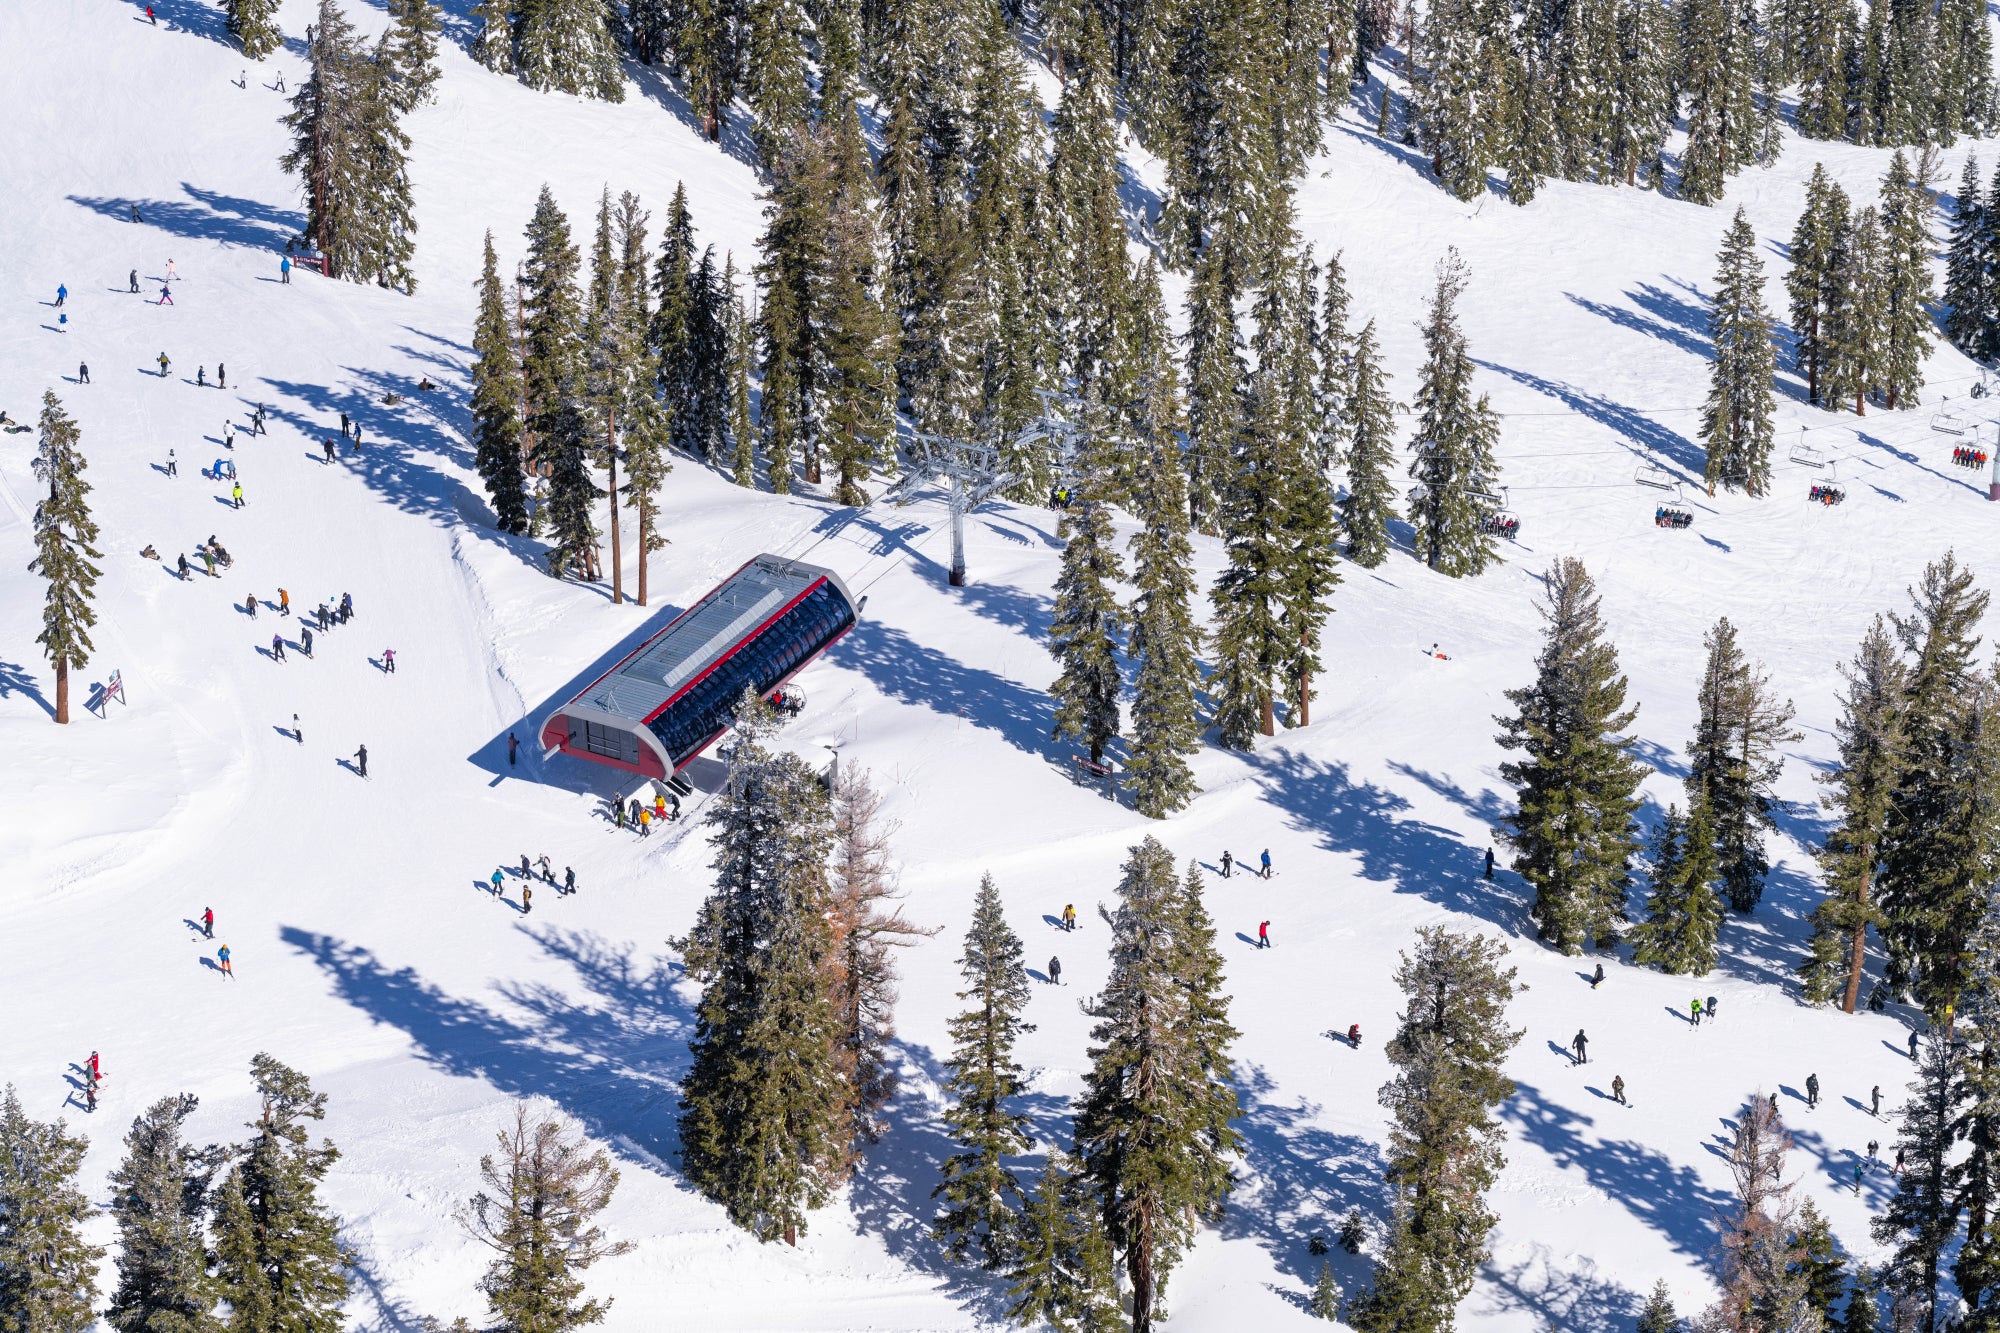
x: 1805, y: 455
x: 1658, y: 478
x: 1949, y: 422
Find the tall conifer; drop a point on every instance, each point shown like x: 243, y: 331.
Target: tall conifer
x: 159, y: 1201
x: 496, y: 401
x: 1454, y: 464
x: 1922, y: 1218
x: 64, y: 537
x: 1733, y: 760
x: 1683, y: 914
x: 566, y: 46
x: 1084, y: 628
x: 254, y: 25
x: 47, y: 1269
x: 1370, y: 500
x: 1736, y: 420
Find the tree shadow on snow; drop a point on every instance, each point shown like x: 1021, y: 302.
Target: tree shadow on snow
x: 1571, y: 1294
x: 915, y: 673
x: 610, y: 1057
x: 14, y: 679
x: 185, y: 16
x: 207, y: 215
x: 657, y: 85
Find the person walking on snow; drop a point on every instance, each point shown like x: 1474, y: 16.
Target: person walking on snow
x: 1227, y: 862
x: 1913, y: 1043
x: 569, y: 881
x: 343, y: 425
x: 164, y: 363
x: 298, y: 732
x: 513, y: 745
x: 527, y: 899
x: 389, y: 660
x: 1069, y: 917
x: 201, y: 377
x: 326, y: 448
x: 285, y: 271
x: 1263, y: 934
x: 361, y: 760
x: 83, y: 372
x: 306, y: 640
x: 222, y: 957
x: 547, y: 874
x: 284, y: 602
x: 1858, y: 1169
x: 134, y: 280
x: 173, y: 274
x: 1875, y: 1099
x: 257, y: 421
x: 497, y: 877
x: 221, y: 376
x: 208, y: 923
x: 184, y: 566
x: 1597, y: 978
x: 1581, y: 1045
x: 1694, y: 1008
x: 1618, y: 1089
x: 1266, y: 859
x: 278, y: 647
x: 250, y: 605
x: 1055, y: 970
x: 229, y: 435
x: 1812, y: 1091
x: 62, y: 295
x: 1489, y: 863
x: 645, y: 821
x: 173, y: 465
x: 236, y: 494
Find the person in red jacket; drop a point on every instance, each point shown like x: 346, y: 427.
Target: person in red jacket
x: 1263, y: 934
x: 208, y: 923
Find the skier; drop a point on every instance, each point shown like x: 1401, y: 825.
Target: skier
x: 1812, y: 1091
x: 173, y: 274
x: 284, y: 602
x: 173, y: 466
x: 1898, y: 1169
x: 1858, y: 1169
x: 62, y: 322
x: 1069, y: 917
x: 1618, y: 1089
x: 154, y: 20
x: 201, y: 377
x: 1489, y: 863
x: 257, y: 421
x: 208, y: 923
x: 134, y: 280
x: 1581, y: 1045
x: 1874, y: 1147
x: 222, y: 956
x: 1597, y: 978
x: 1711, y: 1008
x: 1227, y: 862
x: 514, y: 745
x: 361, y: 759
x: 306, y: 640
x: 319, y: 617
x: 1875, y: 1097
x: 617, y: 798
x: 673, y: 808
x: 285, y: 271
x: 208, y: 559
x: 91, y: 1070
x: 645, y: 821
x: 389, y: 660
x: 346, y: 608
x: 527, y: 899
x: 166, y: 295
x: 1913, y: 1043
x: 1263, y: 934
x: 1266, y: 861
x: 90, y: 1098
x: 298, y: 732
x: 496, y: 883
x: 343, y: 425
x: 83, y: 372
x: 164, y: 363
x: 278, y: 647
x: 569, y: 881
x: 236, y: 494
x: 62, y: 295
x: 1055, y: 970
x: 326, y: 448
x: 1694, y: 1006
x: 527, y: 871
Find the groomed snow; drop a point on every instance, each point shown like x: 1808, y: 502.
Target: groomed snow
x: 367, y: 955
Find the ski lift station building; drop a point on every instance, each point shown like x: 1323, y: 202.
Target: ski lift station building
x: 667, y: 700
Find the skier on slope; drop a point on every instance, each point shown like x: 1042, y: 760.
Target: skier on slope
x: 1266, y: 861
x: 1263, y: 934
x: 497, y: 876
x: 527, y: 899
x: 135, y: 277
x: 208, y: 923
x: 278, y: 647
x: 1227, y: 862
x: 1694, y: 1009
x: 306, y: 640
x: 361, y: 760
x: 569, y: 881
x: 1710, y: 1006
x: 62, y: 295
x: 1581, y: 1045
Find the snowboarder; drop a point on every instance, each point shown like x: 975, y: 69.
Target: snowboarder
x: 208, y: 923
x: 62, y: 295
x: 1913, y: 1043
x: 1263, y: 934
x: 1812, y: 1091
x: 1694, y: 1007
x: 569, y: 881
x: 164, y: 364
x: 1581, y: 1045
x: 514, y: 745
x: 236, y: 494
x: 527, y: 899
x: 1597, y: 977
x: 173, y: 464
x: 1875, y: 1100
x: 298, y: 732
x: 1227, y: 862
x: 1489, y: 863
x: 361, y: 760
x: 278, y: 647
x: 222, y: 957
x: 1618, y: 1089
x: 1710, y: 1007
x: 1055, y: 970
x: 1069, y: 917
x: 389, y: 660
x: 1266, y: 862
x: 285, y: 271
x: 306, y: 640
x: 83, y: 372
x: 497, y: 876
x: 134, y: 281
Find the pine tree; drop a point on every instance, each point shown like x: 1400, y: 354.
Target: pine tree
x: 1922, y: 1219
x: 1718, y: 74
x: 254, y: 25
x: 1370, y: 500
x: 981, y: 1080
x: 1311, y: 516
x: 776, y: 82
x: 791, y: 276
x: 159, y: 1201
x: 566, y: 46
x: 1761, y: 1287
x: 1816, y: 254
x: 1087, y: 266
x: 1165, y: 642
x: 1976, y: 1270
x: 1968, y: 285
x: 64, y: 533
x: 1816, y: 1263
x: 553, y: 367
x: 1644, y: 100
x: 1733, y: 760
x: 857, y: 348
x: 1216, y: 380
x: 1824, y: 62
x: 1460, y: 93
x: 1455, y: 439
x: 494, y: 46
x: 1862, y: 1314
x: 279, y: 1260
x: 496, y: 402
x: 1086, y: 621
x: 742, y: 356
x: 1658, y: 1315
x: 47, y: 1270
x: 1683, y: 914
x: 1573, y: 834
x: 1855, y: 328
x: 1940, y: 830
x: 1444, y: 1139
x: 1860, y: 790
x: 762, y: 1114
x: 1905, y: 286
x: 413, y: 45
x: 1736, y: 420
x: 1333, y: 375
x: 1153, y: 1125
x: 544, y: 1189
x: 1062, y: 1275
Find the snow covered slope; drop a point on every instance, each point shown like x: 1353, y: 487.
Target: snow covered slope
x: 366, y: 955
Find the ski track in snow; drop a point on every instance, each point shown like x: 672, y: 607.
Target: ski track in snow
x: 369, y: 955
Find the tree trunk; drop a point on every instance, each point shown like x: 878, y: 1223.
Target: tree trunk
x: 1858, y: 949
x: 645, y: 541
x: 1861, y: 402
x: 617, y: 551
x: 1305, y: 696
x: 1139, y: 1268
x: 62, y: 689
x: 1270, y: 723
